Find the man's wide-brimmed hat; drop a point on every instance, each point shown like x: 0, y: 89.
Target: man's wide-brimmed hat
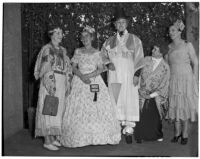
x: 120, y: 13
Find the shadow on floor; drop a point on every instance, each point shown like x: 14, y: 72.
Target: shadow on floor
x: 22, y: 144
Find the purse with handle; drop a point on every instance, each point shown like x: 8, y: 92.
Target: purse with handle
x: 50, y: 105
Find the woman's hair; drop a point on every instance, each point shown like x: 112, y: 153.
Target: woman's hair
x: 180, y: 27
x: 178, y: 24
x: 52, y: 28
x: 91, y: 34
x: 163, y: 47
x: 89, y: 30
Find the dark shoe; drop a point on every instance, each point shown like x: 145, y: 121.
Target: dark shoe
x: 139, y: 141
x: 128, y: 139
x: 176, y: 138
x: 184, y: 141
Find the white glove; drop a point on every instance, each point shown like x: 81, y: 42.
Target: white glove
x: 128, y: 130
x: 154, y: 94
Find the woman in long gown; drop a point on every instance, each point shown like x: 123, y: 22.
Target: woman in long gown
x: 89, y: 122
x: 183, y: 89
x: 53, y: 69
x: 153, y: 93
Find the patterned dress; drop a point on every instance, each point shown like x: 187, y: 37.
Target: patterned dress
x: 53, y: 69
x: 154, y: 78
x: 85, y: 121
x: 183, y: 89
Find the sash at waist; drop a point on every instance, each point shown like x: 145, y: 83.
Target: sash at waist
x: 59, y: 72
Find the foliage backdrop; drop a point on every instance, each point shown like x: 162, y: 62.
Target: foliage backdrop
x: 149, y: 22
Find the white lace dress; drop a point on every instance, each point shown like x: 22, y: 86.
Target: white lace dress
x: 87, y: 122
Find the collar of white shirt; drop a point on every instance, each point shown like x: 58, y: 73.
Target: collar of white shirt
x: 121, y: 37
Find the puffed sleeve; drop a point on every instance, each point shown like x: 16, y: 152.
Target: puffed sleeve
x: 44, y: 62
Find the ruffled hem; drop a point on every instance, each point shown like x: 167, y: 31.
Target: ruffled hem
x: 183, y: 85
x: 182, y: 107
x: 182, y: 114
x: 182, y: 102
x: 47, y: 131
x: 74, y: 141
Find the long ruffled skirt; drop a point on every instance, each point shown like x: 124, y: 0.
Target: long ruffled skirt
x: 88, y: 122
x: 183, y: 97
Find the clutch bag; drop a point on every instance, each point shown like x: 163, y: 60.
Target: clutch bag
x: 50, y: 105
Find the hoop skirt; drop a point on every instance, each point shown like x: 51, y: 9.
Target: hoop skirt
x: 85, y: 121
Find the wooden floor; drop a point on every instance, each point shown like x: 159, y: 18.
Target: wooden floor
x: 21, y: 144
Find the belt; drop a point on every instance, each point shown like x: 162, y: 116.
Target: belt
x: 60, y: 72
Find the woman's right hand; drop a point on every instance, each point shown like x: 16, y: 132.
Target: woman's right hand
x: 52, y: 91
x: 111, y: 66
x: 85, y: 79
x: 144, y: 94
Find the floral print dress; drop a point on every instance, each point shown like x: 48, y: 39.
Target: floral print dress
x: 53, y: 68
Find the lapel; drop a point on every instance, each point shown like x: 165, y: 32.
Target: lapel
x: 113, y: 41
x: 130, y: 42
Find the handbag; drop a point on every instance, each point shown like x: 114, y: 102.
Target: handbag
x: 50, y: 105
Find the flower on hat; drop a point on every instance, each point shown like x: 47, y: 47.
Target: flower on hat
x: 89, y: 29
x: 179, y: 25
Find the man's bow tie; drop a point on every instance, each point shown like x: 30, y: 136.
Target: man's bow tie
x: 121, y: 33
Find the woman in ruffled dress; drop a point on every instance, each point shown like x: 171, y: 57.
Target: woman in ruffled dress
x: 183, y: 88
x: 53, y: 69
x: 86, y: 121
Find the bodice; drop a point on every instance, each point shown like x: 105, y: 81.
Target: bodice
x: 87, y: 63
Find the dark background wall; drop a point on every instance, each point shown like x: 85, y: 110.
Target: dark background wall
x: 12, y: 70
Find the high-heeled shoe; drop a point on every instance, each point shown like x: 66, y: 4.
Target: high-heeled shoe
x: 184, y: 141
x: 176, y: 138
